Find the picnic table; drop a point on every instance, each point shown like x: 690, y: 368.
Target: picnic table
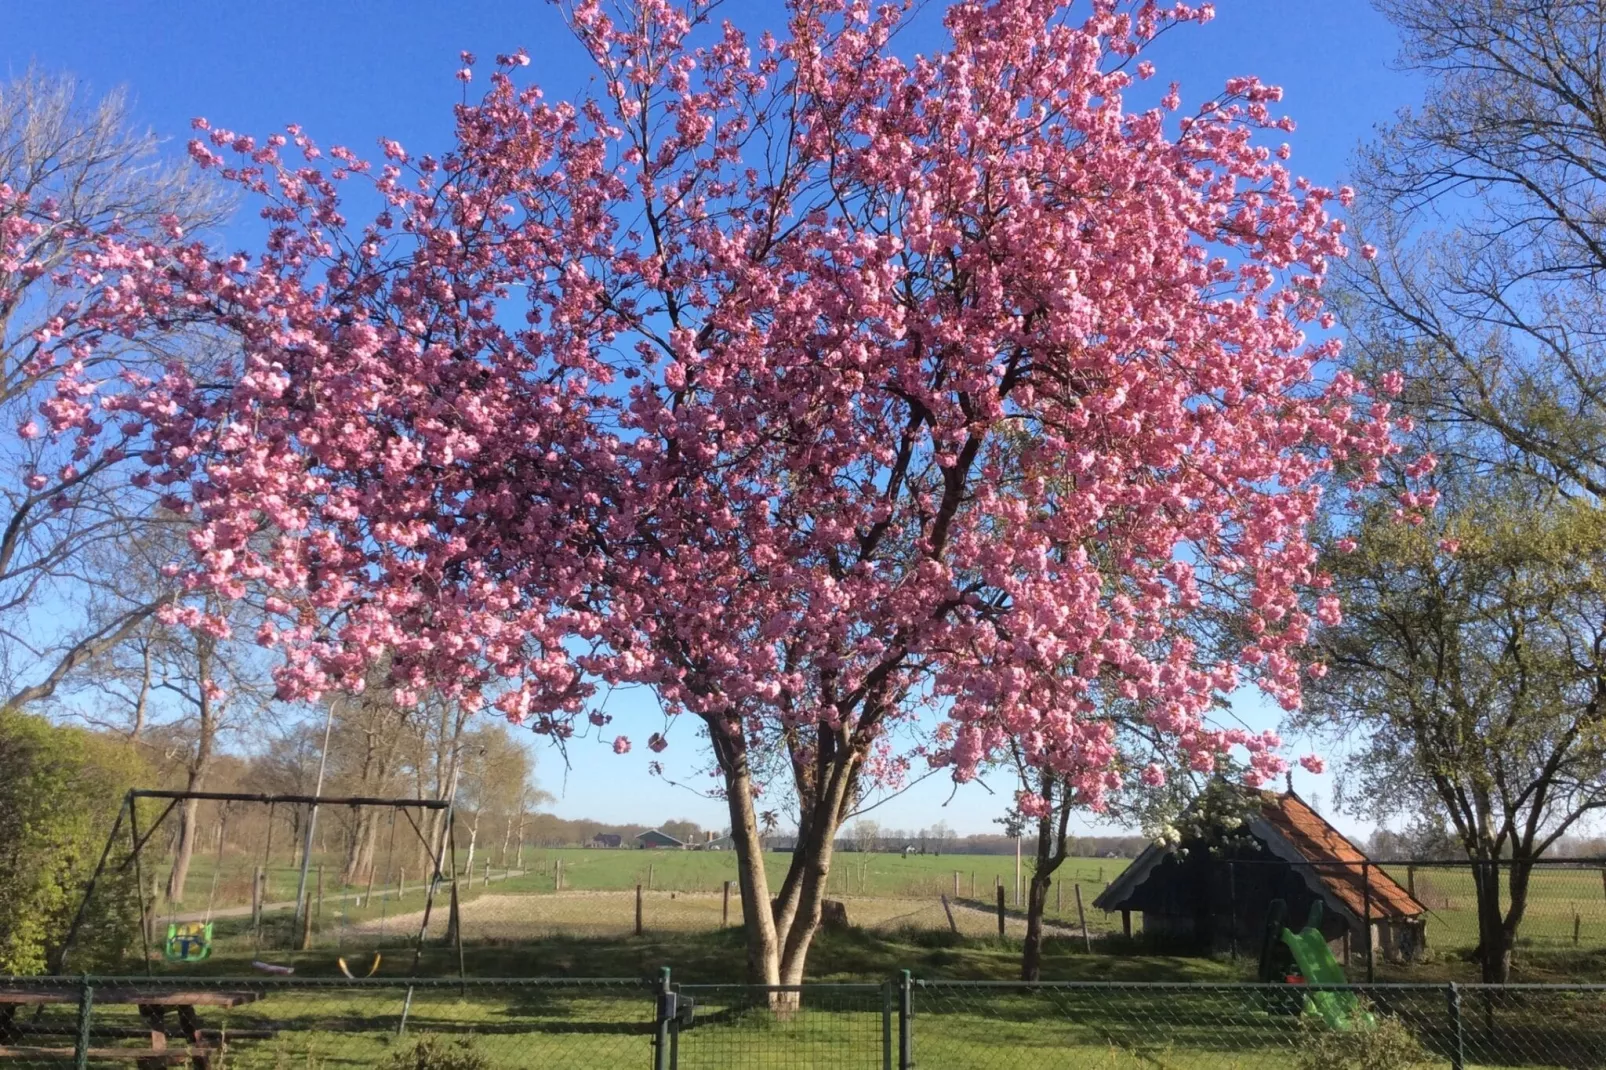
x: 197, y: 1047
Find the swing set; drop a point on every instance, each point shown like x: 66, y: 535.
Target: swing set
x: 190, y: 940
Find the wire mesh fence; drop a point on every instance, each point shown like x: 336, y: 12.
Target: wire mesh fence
x: 311, y: 1024
x: 1384, y: 920
x: 482, y: 1024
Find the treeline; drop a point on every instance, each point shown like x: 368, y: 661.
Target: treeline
x: 549, y: 830
x: 924, y: 841
x: 376, y: 748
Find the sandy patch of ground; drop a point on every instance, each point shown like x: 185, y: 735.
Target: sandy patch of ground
x: 613, y: 913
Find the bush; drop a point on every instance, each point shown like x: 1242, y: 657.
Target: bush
x: 431, y: 1052
x: 60, y: 791
x: 1387, y: 1046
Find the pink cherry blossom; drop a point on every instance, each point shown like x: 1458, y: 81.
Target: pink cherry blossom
x: 816, y: 388
x: 621, y: 745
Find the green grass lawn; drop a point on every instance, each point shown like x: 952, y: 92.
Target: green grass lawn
x: 581, y: 1024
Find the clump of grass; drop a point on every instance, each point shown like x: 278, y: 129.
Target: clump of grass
x: 1388, y: 1045
x: 432, y: 1052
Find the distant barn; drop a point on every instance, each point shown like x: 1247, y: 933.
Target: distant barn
x: 653, y: 839
x: 1211, y: 901
x: 607, y: 839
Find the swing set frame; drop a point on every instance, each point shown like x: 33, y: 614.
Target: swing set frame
x: 443, y: 862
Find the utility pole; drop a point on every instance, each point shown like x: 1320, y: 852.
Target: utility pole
x: 312, y: 814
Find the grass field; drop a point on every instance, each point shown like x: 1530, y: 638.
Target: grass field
x: 586, y: 1024
x: 584, y: 1027
x: 577, y: 891
x: 521, y: 926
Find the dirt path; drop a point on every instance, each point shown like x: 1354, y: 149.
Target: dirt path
x: 605, y: 913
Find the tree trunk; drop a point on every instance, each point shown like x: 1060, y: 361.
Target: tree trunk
x: 1494, y: 938
x: 817, y: 850
x: 200, y: 763
x: 185, y: 849
x: 473, y: 841
x: 779, y: 932
x: 758, y: 920
x: 1051, y: 851
x: 360, y: 856
x: 1031, y: 958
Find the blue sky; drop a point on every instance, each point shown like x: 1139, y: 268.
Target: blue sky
x: 351, y: 72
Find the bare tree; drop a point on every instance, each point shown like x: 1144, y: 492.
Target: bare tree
x: 866, y: 834
x: 1487, y: 208
x: 213, y: 683
x: 73, y: 168
x: 1471, y: 662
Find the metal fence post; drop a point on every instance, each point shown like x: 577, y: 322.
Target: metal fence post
x: 906, y: 1013
x: 886, y: 1025
x: 1458, y: 1036
x: 666, y: 1013
x: 86, y: 1004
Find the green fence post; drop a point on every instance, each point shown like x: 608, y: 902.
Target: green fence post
x: 666, y: 1013
x: 906, y: 1013
x: 886, y: 1025
x: 1458, y: 1035
x: 86, y: 1004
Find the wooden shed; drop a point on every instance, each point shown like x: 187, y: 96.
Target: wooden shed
x: 1214, y: 900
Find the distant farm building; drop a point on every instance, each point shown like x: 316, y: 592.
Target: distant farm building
x: 1215, y: 900
x: 653, y: 839
x: 717, y: 843
x: 607, y: 839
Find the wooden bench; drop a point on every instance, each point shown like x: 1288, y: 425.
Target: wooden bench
x: 153, y: 1005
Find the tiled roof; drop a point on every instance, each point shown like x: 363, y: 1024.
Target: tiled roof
x: 1317, y: 841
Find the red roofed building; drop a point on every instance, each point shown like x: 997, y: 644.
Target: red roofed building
x: 1219, y: 899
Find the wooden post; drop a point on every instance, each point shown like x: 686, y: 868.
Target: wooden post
x: 956, y: 884
x: 1126, y: 924
x: 650, y: 868
x: 725, y: 910
x: 973, y: 884
x: 638, y: 910
x: 1000, y: 889
x: 150, y: 912
x: 1410, y: 880
x: 306, y: 926
x: 1059, y: 888
x: 1576, y: 922
x: 401, y: 882
x: 953, y: 926
x: 256, y: 897
x: 557, y: 875
x: 1081, y: 919
x: 320, y: 893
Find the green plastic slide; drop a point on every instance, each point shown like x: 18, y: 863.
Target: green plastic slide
x: 1340, y: 1010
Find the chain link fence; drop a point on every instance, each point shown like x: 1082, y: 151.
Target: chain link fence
x: 482, y: 1024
